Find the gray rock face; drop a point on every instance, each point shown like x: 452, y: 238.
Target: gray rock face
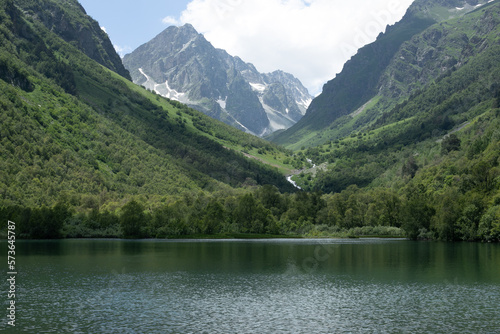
x: 69, y: 20
x: 181, y: 64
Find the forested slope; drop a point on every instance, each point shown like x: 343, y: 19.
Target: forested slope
x: 76, y: 134
x: 437, y: 150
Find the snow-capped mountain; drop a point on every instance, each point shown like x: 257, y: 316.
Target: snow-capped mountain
x: 182, y: 65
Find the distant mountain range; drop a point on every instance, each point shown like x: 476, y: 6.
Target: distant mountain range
x: 182, y: 65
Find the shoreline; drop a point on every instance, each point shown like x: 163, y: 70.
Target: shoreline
x: 225, y: 237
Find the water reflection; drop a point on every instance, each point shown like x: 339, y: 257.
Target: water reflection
x: 274, y: 286
x: 381, y: 259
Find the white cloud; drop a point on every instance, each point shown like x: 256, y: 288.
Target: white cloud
x: 122, y: 50
x: 311, y: 39
x: 170, y: 20
x: 104, y: 29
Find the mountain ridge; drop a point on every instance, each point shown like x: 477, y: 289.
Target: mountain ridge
x: 359, y: 82
x: 438, y: 84
x: 70, y: 21
x: 180, y: 63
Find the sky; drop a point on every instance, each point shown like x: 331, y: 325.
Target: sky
x: 311, y: 39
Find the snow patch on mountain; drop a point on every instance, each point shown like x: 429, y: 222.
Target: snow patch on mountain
x: 258, y: 87
x: 163, y: 89
x: 304, y: 103
x: 277, y: 120
x: 222, y: 103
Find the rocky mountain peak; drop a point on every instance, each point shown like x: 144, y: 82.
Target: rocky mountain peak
x: 176, y: 35
x: 181, y: 64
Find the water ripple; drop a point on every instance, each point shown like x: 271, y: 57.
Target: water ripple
x: 274, y: 297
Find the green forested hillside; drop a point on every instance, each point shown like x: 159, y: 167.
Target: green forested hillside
x: 75, y: 134
x: 353, y: 87
x: 70, y: 22
x: 436, y: 151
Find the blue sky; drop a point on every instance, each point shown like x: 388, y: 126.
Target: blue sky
x: 311, y: 39
x: 131, y: 23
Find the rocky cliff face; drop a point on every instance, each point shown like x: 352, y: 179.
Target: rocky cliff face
x: 181, y: 64
x: 436, y: 52
x: 69, y: 20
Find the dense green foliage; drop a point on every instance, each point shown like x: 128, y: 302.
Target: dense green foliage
x: 450, y: 183
x: 437, y: 149
x: 259, y: 211
x: 70, y: 22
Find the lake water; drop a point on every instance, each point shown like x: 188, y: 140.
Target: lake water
x: 258, y: 286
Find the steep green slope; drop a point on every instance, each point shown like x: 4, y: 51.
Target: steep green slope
x: 367, y: 80
x: 451, y: 103
x: 75, y: 132
x: 429, y: 164
x: 452, y: 69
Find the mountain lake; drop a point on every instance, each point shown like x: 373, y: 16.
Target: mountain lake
x: 255, y: 286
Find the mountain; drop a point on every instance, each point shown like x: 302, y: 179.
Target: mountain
x: 76, y: 132
x: 379, y: 76
x: 69, y: 21
x: 421, y: 151
x: 437, y: 83
x: 182, y: 65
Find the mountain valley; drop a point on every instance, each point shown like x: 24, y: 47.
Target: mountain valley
x: 405, y: 141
